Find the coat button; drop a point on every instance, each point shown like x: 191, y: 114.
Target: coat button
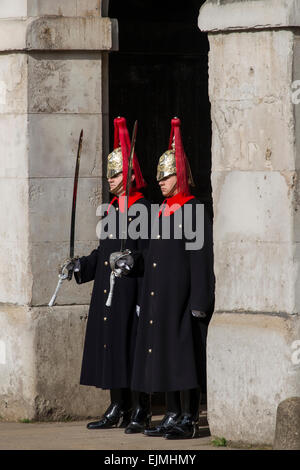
x: 149, y: 351
x: 105, y: 291
x: 130, y: 219
x: 154, y: 265
x: 152, y: 293
x: 105, y: 318
x: 104, y: 346
x: 151, y: 322
x: 106, y: 263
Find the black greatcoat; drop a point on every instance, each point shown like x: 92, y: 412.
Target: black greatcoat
x: 110, y: 332
x: 170, y: 348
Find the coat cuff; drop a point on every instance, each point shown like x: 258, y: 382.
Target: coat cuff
x: 77, y: 271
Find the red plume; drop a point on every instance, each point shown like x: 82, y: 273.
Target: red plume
x: 122, y: 139
x: 182, y: 164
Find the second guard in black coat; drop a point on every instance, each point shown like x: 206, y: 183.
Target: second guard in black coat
x: 177, y: 300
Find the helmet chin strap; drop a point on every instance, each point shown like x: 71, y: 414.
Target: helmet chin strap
x: 172, y: 190
x: 117, y: 189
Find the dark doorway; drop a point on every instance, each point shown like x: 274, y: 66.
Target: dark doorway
x: 161, y: 71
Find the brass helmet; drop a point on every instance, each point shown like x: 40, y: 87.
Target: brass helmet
x: 166, y: 165
x: 174, y: 160
x: 114, y: 163
x: 118, y: 159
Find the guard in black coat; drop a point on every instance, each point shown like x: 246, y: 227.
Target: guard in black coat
x: 111, y: 330
x: 177, y: 299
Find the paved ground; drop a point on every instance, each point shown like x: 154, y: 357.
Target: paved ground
x: 75, y: 436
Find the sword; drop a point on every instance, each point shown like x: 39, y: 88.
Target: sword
x: 114, y: 256
x: 72, y: 231
x: 66, y: 273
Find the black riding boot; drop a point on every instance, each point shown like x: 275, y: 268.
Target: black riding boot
x: 173, y: 411
x: 141, y: 415
x: 118, y: 412
x: 187, y: 426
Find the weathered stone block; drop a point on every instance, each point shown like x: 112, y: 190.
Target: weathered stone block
x: 53, y: 143
x: 40, y: 376
x: 13, y: 8
x: 23, y: 8
x: 238, y: 146
x: 58, y: 365
x: 252, y: 356
x: 287, y: 435
x: 238, y: 14
x: 256, y: 276
x: 50, y: 206
x: 13, y: 83
x: 90, y: 33
x: 17, y: 373
x: 252, y: 109
x: 52, y: 7
x: 253, y: 206
x: 89, y: 7
x: 13, y: 146
x: 58, y: 33
x: 64, y: 84
x: 264, y: 73
x: 13, y: 34
x: 13, y: 217
x: 15, y: 277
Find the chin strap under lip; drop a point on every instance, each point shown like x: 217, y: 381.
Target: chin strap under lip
x: 172, y: 190
x: 117, y: 189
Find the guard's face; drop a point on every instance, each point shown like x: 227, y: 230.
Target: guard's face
x: 116, y: 183
x: 168, y: 185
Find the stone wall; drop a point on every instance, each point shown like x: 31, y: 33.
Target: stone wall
x: 255, y: 174
x: 53, y: 83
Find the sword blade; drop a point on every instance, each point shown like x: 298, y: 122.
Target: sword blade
x: 128, y: 185
x: 72, y: 231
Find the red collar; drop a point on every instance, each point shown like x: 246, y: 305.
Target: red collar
x: 172, y: 204
x: 135, y: 196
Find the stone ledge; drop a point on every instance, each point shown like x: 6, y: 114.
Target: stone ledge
x: 218, y: 15
x: 58, y: 34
